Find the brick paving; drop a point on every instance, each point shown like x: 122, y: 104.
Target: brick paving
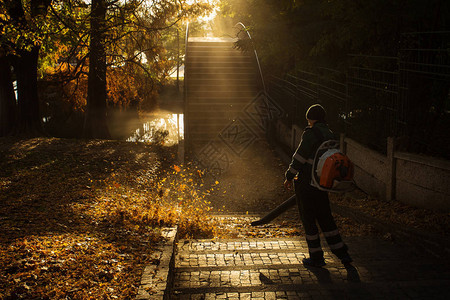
x: 269, y: 268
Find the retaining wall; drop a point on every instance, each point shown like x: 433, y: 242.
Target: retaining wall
x: 416, y: 180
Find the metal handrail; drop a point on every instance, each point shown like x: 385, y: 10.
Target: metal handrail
x: 186, y: 129
x: 185, y: 60
x: 187, y: 35
x: 256, y: 55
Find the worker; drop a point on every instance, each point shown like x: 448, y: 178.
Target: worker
x: 314, y: 204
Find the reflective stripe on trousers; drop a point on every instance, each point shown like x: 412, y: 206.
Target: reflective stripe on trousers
x: 313, y: 242
x: 334, y: 239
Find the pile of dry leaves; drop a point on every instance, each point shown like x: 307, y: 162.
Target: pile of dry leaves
x: 80, y: 219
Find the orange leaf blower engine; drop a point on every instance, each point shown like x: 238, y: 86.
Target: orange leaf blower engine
x: 338, y: 167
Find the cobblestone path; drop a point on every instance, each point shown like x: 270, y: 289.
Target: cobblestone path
x: 269, y: 268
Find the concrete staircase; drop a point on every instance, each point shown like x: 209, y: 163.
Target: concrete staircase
x: 220, y: 82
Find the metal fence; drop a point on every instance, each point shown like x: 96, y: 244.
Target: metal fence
x: 424, y: 67
x: 296, y: 93
x: 407, y: 96
x: 372, y: 103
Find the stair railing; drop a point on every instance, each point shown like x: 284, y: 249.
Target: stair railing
x: 256, y: 54
x: 185, y: 59
x: 185, y: 118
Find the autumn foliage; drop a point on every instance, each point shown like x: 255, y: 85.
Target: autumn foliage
x: 80, y: 219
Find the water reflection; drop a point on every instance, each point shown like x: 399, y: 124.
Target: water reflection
x: 162, y: 128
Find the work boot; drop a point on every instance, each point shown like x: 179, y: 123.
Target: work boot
x: 313, y: 262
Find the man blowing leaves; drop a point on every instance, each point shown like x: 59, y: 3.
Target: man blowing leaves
x: 313, y: 204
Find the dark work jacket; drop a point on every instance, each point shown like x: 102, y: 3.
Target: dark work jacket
x: 303, y: 157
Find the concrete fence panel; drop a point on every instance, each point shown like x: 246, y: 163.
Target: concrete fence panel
x: 422, y: 181
x: 370, y: 168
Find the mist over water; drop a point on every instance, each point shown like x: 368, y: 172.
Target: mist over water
x: 160, y: 127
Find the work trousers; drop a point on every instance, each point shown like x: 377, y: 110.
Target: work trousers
x: 314, y: 207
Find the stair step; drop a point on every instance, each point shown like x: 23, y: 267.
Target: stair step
x: 229, y: 88
x: 224, y: 87
x: 192, y: 52
x: 192, y: 82
x: 211, y: 42
x: 205, y: 47
x: 228, y: 69
x: 225, y: 45
x: 232, y: 101
x: 218, y: 64
x: 217, y: 75
x: 194, y: 59
x: 212, y: 94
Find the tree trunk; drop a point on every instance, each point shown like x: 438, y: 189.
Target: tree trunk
x: 25, y: 67
x: 95, y: 125
x: 7, y: 98
x: 28, y: 122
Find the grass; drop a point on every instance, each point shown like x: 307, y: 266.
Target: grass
x: 80, y: 219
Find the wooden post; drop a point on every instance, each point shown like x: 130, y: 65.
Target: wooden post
x: 390, y: 169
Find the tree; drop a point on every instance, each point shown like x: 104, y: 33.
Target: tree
x: 22, y: 26
x: 291, y: 34
x: 74, y: 44
x: 7, y: 97
x: 126, y: 37
x: 95, y: 125
x: 283, y: 32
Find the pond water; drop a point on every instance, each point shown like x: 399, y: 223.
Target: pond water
x: 161, y: 128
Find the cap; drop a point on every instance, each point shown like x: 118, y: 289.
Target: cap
x: 316, y: 112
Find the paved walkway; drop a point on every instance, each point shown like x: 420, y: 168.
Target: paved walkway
x: 272, y: 269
